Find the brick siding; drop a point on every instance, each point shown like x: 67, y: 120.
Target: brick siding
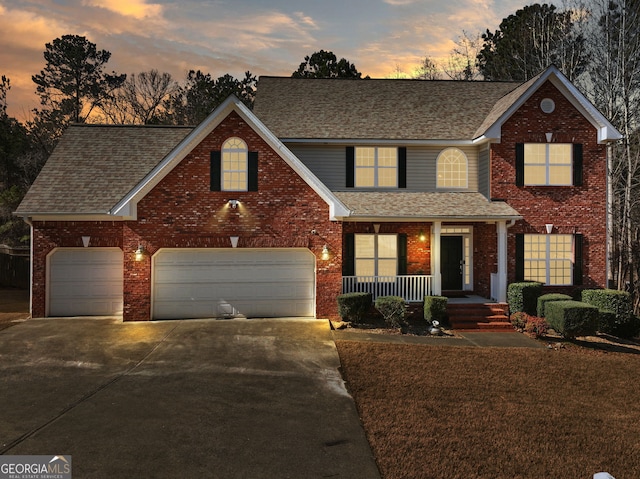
x: 579, y: 209
x: 182, y: 212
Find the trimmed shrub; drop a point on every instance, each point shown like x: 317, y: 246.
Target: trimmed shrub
x: 519, y: 320
x: 393, y: 310
x: 616, y: 311
x: 354, y: 306
x: 572, y: 318
x: 524, y: 297
x: 435, y: 308
x: 536, y: 326
x: 545, y: 298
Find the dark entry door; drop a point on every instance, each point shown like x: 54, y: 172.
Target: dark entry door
x: 451, y: 262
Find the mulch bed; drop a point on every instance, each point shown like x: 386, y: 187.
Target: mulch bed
x: 568, y: 411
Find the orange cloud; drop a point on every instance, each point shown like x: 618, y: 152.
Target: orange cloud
x: 138, y: 9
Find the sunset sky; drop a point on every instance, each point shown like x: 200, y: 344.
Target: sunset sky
x: 266, y: 37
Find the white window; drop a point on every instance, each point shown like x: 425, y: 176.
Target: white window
x: 549, y: 259
x: 376, y: 255
x: 376, y: 167
x: 548, y: 164
x: 452, y: 169
x: 234, y: 165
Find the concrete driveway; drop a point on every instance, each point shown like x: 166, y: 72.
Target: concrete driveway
x: 198, y: 398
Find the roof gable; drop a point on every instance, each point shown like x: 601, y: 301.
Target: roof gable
x: 127, y: 206
x: 502, y: 111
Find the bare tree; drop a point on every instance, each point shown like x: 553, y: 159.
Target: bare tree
x: 427, y: 70
x: 462, y: 62
x: 140, y: 98
x: 613, y: 84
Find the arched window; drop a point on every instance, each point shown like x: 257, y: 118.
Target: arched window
x: 234, y: 165
x: 452, y: 169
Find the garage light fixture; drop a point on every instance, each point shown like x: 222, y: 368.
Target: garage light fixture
x: 325, y: 253
x: 233, y: 203
x: 140, y: 252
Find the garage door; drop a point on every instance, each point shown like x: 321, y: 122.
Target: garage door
x: 85, y: 282
x: 206, y: 283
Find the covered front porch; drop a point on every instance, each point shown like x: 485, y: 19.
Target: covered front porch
x: 415, y: 255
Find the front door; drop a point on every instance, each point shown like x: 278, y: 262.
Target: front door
x: 451, y: 262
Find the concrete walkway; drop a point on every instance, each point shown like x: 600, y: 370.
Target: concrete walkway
x: 201, y: 398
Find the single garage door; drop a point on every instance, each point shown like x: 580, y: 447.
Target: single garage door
x: 209, y: 283
x: 85, y: 282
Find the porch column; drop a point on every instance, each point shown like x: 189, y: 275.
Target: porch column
x: 501, y: 286
x: 435, y: 258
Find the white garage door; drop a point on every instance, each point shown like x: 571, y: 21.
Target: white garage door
x: 85, y: 282
x: 209, y: 283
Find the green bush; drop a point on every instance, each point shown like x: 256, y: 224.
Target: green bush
x: 523, y: 297
x: 572, y: 318
x: 545, y: 298
x: 393, y: 310
x: 354, y: 306
x: 616, y: 311
x: 435, y: 308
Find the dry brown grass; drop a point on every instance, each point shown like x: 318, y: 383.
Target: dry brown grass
x: 442, y: 412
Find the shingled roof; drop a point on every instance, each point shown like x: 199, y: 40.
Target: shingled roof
x: 93, y: 167
x: 425, y: 206
x: 377, y: 109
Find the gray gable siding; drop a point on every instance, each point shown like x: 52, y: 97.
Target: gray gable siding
x: 327, y: 162
x: 484, y: 170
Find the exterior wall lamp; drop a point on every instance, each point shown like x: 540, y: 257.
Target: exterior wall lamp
x: 421, y: 236
x: 233, y: 203
x: 140, y: 252
x: 325, y: 253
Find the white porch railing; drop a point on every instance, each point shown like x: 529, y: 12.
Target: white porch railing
x: 412, y: 288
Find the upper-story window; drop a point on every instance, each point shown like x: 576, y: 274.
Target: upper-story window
x: 234, y: 165
x: 376, y: 167
x: 452, y: 170
x: 548, y: 164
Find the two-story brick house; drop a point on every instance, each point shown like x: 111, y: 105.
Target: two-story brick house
x: 395, y: 186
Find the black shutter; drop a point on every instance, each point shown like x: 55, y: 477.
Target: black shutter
x: 577, y: 259
x: 349, y: 255
x: 519, y: 164
x: 577, y: 164
x: 519, y: 257
x: 402, y: 167
x: 215, y: 171
x: 351, y: 166
x: 402, y: 254
x: 252, y: 178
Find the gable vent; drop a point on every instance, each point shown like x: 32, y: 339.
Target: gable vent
x: 547, y: 105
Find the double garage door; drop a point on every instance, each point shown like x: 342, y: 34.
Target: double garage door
x: 205, y: 283
x: 187, y: 283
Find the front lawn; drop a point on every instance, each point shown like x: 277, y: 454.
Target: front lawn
x: 442, y: 412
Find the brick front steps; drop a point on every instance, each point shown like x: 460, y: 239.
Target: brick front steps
x: 479, y: 316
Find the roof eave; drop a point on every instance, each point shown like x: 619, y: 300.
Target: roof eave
x: 428, y: 219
